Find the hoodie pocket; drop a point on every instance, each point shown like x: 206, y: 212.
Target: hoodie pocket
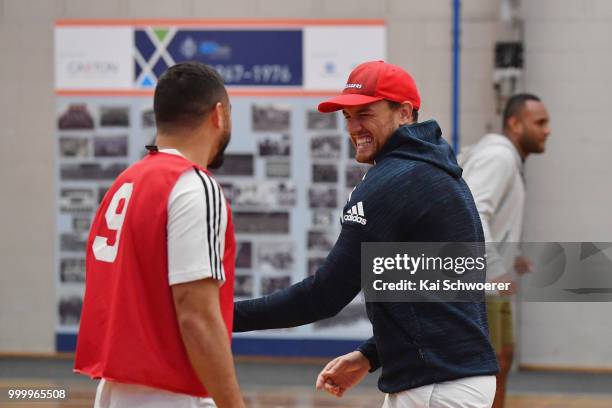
x: 401, y: 327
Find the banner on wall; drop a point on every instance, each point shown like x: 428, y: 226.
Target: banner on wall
x: 309, y: 57
x: 288, y: 169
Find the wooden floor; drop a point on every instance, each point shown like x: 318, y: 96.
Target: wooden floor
x: 81, y: 396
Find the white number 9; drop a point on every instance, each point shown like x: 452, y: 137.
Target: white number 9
x: 114, y: 221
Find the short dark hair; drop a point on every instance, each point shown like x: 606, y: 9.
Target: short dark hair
x: 515, y: 105
x: 185, y: 94
x: 393, y: 105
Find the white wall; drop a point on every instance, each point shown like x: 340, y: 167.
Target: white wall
x: 569, y: 188
x: 27, y: 315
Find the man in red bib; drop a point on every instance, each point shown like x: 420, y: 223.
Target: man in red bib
x: 157, y: 315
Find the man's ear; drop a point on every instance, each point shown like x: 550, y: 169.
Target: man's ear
x: 515, y: 125
x: 405, y: 112
x: 218, y: 116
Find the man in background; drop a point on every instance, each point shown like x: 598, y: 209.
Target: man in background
x: 158, y: 308
x: 493, y: 169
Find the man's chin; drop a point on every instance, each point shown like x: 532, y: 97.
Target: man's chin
x: 360, y: 158
x: 217, y: 162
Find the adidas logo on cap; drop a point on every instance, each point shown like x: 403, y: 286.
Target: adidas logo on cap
x: 355, y: 214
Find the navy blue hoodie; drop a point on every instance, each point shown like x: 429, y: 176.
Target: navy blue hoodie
x: 413, y: 193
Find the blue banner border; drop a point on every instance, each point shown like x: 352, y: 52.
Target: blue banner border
x: 257, y: 346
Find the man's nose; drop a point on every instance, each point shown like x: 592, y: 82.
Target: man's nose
x: 353, y: 125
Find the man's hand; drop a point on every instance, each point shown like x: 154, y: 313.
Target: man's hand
x: 342, y: 373
x: 522, y: 265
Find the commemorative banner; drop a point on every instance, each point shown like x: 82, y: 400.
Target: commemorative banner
x: 288, y: 169
x: 304, y: 55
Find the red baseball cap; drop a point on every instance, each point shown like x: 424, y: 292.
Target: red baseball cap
x: 374, y: 81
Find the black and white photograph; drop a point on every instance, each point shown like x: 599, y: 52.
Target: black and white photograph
x: 81, y: 224
x: 114, y: 116
x: 274, y: 257
x: 286, y: 194
x: 69, y: 309
x: 112, y: 171
x: 70, y: 146
x: 148, y: 118
x: 111, y: 146
x: 75, y: 117
x: 270, y: 285
x: 71, y: 241
x: 271, y: 118
x: 251, y: 222
x: 244, y: 254
x: 72, y: 270
x: 243, y: 286
x: 325, y: 146
x: 77, y: 200
x: 91, y: 171
x: 321, y: 240
x: 278, y: 168
x: 324, y: 173
x: 314, y: 264
x: 316, y: 120
x: 267, y: 195
x: 322, y: 197
x: 251, y: 194
x: 235, y: 164
x: 80, y: 171
x: 354, y: 174
x: 274, y: 145
x: 324, y: 218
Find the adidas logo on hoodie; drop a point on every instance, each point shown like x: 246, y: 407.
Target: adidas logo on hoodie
x: 355, y: 214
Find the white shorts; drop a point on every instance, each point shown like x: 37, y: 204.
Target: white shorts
x: 111, y: 394
x: 469, y: 392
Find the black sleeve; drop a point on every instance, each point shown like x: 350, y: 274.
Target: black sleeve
x: 323, y: 295
x: 368, y: 349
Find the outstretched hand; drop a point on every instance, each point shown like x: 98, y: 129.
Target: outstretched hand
x: 342, y: 373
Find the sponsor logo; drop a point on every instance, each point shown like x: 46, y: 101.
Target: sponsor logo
x: 355, y: 86
x: 92, y: 68
x: 215, y: 50
x: 355, y: 214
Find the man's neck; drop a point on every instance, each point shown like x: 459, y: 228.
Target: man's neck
x: 195, y: 152
x: 517, y: 146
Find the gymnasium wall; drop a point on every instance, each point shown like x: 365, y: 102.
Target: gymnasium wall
x: 419, y: 39
x: 569, y: 188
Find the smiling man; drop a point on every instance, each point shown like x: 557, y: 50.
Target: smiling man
x: 433, y: 354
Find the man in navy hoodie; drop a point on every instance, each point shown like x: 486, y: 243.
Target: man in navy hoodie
x: 434, y: 354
